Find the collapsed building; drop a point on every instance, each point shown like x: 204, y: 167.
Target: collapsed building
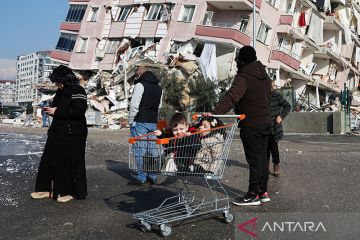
x: 311, y: 48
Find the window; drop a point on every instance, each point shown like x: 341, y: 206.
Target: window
x: 263, y: 33
x: 208, y: 17
x: 187, y: 13
x: 123, y: 13
x: 243, y: 24
x: 66, y: 42
x: 75, y: 13
x: 272, y: 2
x: 112, y: 45
x: 283, y: 42
x: 82, y: 45
x: 154, y: 12
x: 93, y: 14
x: 272, y: 73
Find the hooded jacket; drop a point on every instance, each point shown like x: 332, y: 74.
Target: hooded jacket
x: 146, y: 99
x: 250, y: 94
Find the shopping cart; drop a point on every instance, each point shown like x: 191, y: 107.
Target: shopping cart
x: 203, y: 154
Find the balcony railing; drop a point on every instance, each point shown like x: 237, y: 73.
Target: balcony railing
x: 288, y: 52
x: 224, y: 25
x: 286, y: 56
x: 286, y: 19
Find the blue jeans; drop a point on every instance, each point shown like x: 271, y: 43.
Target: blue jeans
x: 44, y: 120
x: 141, y: 148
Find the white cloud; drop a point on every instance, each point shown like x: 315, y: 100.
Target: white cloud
x: 7, y: 69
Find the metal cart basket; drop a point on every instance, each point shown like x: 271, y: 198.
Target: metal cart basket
x: 202, y: 154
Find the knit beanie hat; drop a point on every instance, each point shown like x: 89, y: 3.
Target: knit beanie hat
x: 247, y: 54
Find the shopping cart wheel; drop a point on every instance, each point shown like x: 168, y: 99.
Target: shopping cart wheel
x: 144, y: 226
x: 165, y: 230
x: 228, y: 217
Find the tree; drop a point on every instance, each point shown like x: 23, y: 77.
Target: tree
x: 204, y: 93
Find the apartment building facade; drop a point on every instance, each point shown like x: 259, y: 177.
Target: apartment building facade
x: 7, y: 93
x: 32, y: 68
x: 308, y: 47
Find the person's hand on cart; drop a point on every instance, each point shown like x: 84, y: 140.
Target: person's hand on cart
x: 157, y: 132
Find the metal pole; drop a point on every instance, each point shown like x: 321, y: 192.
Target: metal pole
x: 254, y: 25
x: 125, y: 87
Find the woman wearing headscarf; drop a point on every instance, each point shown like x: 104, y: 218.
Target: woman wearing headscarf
x: 61, y: 173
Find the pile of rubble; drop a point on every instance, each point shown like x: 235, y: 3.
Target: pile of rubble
x: 109, y: 93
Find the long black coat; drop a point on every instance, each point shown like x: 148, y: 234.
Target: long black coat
x: 279, y: 107
x: 63, y: 160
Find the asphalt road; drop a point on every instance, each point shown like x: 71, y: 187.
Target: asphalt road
x: 319, y: 178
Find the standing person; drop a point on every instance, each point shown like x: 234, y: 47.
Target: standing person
x: 279, y: 108
x: 250, y: 94
x: 44, y: 116
x: 62, y: 167
x: 143, y: 116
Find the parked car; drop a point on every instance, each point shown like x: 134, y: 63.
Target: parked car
x: 14, y: 114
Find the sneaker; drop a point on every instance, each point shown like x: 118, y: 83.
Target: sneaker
x: 64, y: 199
x: 153, y: 181
x: 137, y: 181
x: 276, y: 170
x: 248, y: 200
x: 264, y: 197
x: 39, y: 195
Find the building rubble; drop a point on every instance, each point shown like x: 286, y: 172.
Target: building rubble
x: 109, y: 92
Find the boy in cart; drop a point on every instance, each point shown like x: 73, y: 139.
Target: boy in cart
x: 183, y: 146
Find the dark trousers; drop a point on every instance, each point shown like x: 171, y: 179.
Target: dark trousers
x: 273, y: 149
x: 255, y: 142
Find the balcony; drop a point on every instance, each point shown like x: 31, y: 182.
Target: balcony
x: 60, y: 55
x: 286, y: 56
x: 69, y: 26
x: 246, y: 5
x: 286, y: 20
x: 223, y: 31
x: 331, y: 23
x: 328, y: 53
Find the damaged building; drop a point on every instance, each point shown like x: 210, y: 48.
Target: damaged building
x: 311, y: 48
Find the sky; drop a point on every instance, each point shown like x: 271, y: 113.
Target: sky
x: 28, y: 26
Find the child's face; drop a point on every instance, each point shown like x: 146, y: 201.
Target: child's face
x: 180, y: 130
x: 205, y: 125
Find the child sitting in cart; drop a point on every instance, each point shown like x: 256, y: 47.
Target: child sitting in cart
x: 207, y: 159
x: 183, y: 146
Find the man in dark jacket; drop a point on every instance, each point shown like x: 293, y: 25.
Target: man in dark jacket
x: 250, y: 94
x: 143, y: 116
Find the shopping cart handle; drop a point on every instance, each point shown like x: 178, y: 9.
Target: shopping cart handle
x: 239, y: 117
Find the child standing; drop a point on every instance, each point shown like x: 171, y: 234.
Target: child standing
x: 279, y: 109
x: 212, y: 142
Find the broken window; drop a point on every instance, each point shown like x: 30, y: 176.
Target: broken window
x: 66, y: 42
x: 124, y: 13
x: 154, y: 12
x: 263, y: 33
x: 208, y: 17
x: 76, y: 13
x: 82, y: 45
x: 272, y: 73
x: 187, y: 13
x: 112, y: 45
x: 283, y: 42
x: 271, y: 2
x: 243, y: 24
x: 93, y: 14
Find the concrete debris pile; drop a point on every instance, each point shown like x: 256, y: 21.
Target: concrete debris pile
x: 109, y: 99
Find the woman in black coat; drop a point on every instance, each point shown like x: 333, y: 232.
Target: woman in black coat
x: 62, y: 167
x: 279, y: 109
